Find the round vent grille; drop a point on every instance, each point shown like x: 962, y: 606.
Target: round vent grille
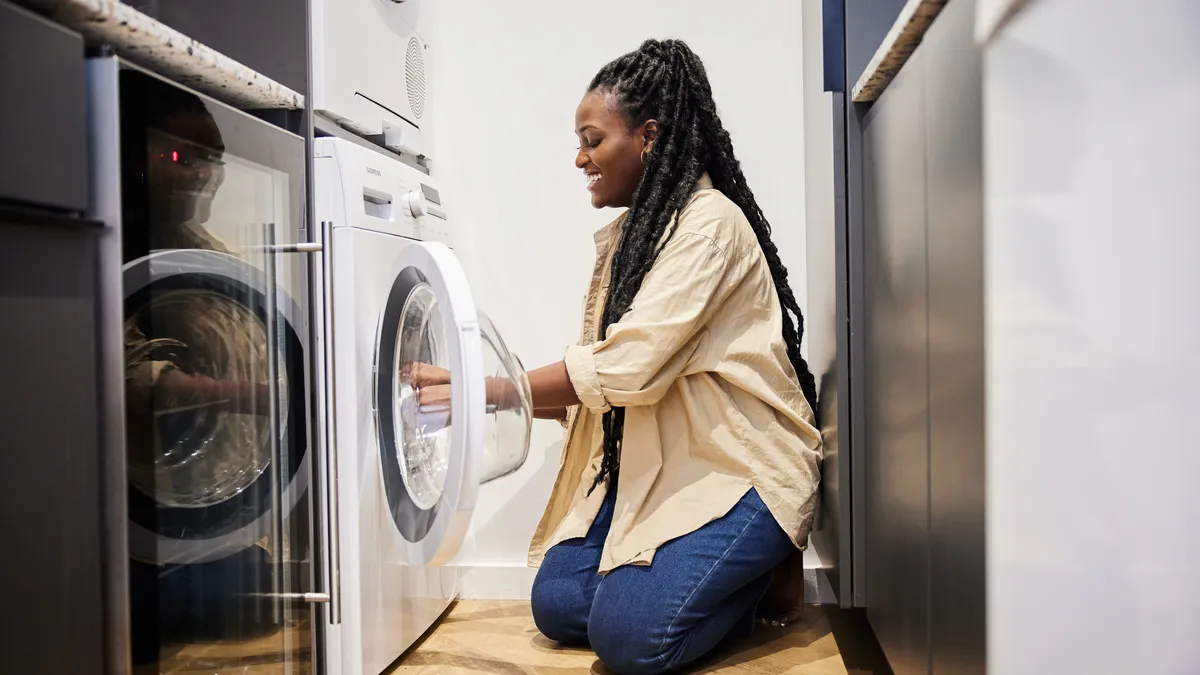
x: 414, y: 75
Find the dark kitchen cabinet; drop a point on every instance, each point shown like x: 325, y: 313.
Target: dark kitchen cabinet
x: 50, y: 421
x: 916, y: 205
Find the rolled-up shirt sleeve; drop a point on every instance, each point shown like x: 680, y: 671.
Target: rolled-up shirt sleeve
x: 642, y: 354
x: 141, y: 373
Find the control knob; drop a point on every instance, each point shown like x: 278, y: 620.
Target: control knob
x: 416, y: 203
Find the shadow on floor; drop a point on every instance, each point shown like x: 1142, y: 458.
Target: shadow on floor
x: 856, y: 642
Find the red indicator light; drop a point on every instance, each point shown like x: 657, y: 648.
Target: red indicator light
x: 174, y: 155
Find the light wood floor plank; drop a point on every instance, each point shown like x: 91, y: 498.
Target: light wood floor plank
x: 499, y: 638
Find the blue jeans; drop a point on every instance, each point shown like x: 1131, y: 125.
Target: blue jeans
x: 702, y: 588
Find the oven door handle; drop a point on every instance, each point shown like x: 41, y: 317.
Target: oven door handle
x: 301, y: 247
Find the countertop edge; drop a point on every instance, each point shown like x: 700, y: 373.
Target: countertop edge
x: 901, y: 40
x: 152, y: 44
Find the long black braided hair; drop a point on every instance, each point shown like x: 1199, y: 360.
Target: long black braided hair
x: 665, y: 81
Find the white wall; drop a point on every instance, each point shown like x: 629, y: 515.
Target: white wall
x: 1092, y: 272
x: 506, y: 80
x: 819, y: 210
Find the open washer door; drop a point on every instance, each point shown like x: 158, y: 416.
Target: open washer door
x: 434, y: 457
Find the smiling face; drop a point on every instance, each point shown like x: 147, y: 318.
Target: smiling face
x: 610, y: 149
x: 186, y: 168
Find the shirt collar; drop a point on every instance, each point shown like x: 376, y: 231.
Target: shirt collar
x: 609, y: 231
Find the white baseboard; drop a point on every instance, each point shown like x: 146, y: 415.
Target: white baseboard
x: 496, y: 582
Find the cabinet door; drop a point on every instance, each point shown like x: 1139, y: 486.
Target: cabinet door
x: 924, y: 454
x: 49, y: 467
x: 44, y: 137
x: 896, y: 448
x: 954, y: 165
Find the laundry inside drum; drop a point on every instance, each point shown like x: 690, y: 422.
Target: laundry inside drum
x: 424, y: 431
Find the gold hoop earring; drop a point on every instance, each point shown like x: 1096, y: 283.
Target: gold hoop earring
x: 644, y: 152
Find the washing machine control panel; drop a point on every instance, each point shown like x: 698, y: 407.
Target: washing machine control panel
x: 415, y: 200
x: 370, y: 190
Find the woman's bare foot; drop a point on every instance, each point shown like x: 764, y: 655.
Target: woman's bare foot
x: 784, y: 602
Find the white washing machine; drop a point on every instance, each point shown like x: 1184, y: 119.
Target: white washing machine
x: 401, y: 480
x: 370, y: 65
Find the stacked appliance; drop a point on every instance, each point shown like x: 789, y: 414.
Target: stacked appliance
x: 370, y: 61
x: 401, y: 479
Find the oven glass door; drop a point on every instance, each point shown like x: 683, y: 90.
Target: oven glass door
x: 216, y: 390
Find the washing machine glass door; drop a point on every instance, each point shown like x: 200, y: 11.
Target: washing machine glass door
x: 509, y: 406
x: 430, y: 402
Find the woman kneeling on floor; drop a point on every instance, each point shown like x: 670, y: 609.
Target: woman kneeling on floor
x: 688, y: 384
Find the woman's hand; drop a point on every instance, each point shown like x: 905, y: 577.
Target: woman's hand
x: 784, y: 602
x: 434, y: 406
x: 434, y: 396
x: 424, y: 374
x: 500, y: 394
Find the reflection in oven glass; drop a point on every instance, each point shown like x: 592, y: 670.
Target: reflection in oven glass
x: 211, y: 435
x: 211, y: 393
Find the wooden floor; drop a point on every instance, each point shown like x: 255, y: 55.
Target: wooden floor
x: 500, y: 638
x: 286, y: 652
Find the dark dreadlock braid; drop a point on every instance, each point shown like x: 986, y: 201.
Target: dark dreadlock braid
x: 665, y: 81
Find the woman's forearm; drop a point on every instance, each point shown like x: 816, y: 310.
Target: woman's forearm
x: 250, y: 398
x: 557, y: 414
x: 550, y: 387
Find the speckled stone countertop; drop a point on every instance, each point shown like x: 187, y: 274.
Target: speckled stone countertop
x: 151, y: 44
x: 901, y: 41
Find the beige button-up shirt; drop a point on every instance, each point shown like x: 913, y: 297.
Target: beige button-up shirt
x: 712, y: 404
